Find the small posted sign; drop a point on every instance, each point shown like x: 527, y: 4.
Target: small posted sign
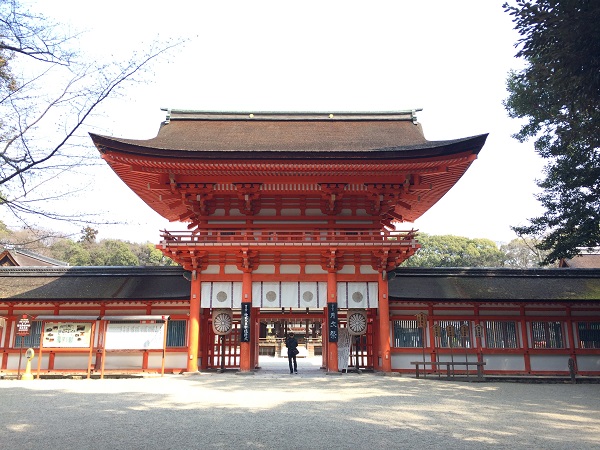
x: 23, y: 326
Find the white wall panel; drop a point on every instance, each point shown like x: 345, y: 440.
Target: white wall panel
x: 504, y: 362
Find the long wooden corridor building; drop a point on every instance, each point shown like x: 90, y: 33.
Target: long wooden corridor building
x: 291, y: 222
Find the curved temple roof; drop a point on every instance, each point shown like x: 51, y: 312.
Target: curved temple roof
x: 212, y: 135
x: 276, y: 147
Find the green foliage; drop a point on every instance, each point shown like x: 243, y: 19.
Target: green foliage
x: 111, y: 252
x: 149, y: 255
x: 108, y: 252
x: 71, y: 252
x: 558, y: 95
x: 455, y: 251
x: 523, y: 253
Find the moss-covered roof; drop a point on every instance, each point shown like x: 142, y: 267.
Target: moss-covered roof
x: 495, y: 284
x: 405, y: 284
x: 93, y: 283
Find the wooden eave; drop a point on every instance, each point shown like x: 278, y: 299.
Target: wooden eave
x: 195, y: 147
x: 274, y: 152
x: 142, y: 174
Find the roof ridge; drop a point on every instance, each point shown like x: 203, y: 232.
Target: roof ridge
x: 190, y: 114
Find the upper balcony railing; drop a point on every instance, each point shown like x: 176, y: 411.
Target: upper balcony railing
x: 288, y: 237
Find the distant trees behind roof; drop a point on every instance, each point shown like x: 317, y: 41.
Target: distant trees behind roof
x: 436, y: 251
x: 86, y: 251
x: 459, y: 251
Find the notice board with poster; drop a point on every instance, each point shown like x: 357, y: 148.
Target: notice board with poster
x: 135, y: 336
x: 67, y: 335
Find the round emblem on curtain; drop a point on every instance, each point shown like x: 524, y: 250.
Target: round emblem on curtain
x: 271, y: 296
x: 221, y: 296
x: 222, y: 321
x: 357, y: 297
x: 308, y: 296
x: 357, y: 322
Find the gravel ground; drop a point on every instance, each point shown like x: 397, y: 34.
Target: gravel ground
x: 276, y: 410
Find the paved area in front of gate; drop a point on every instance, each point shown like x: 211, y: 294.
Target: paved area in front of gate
x: 276, y: 410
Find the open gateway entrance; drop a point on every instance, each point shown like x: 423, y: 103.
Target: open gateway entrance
x: 273, y: 325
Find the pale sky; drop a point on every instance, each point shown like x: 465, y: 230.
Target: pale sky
x: 449, y: 58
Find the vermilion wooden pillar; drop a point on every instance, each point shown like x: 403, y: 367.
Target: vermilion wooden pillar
x: 9, y: 323
x: 194, y: 331
x: 525, y: 340
x: 332, y: 347
x: 384, y: 326
x: 246, y: 347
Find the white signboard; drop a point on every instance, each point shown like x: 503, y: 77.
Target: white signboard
x: 67, y: 335
x: 135, y: 336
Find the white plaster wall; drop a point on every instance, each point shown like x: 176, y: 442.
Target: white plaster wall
x: 267, y: 212
x: 402, y: 360
x: 289, y: 268
x: 212, y: 269
x: 232, y: 270
x: 314, y: 269
x: 549, y: 362
x: 313, y: 212
x: 71, y: 361
x: 347, y: 270
x: 458, y: 357
x: 367, y: 270
x: 504, y: 362
x: 123, y: 361
x: 172, y: 360
x: 13, y: 361
x: 265, y: 268
x: 588, y: 362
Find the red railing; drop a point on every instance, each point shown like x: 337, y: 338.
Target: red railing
x: 287, y: 236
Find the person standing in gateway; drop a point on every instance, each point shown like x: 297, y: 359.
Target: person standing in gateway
x: 292, y: 350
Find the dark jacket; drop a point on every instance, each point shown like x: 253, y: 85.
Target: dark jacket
x: 291, y: 343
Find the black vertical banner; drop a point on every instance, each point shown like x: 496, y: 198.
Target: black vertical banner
x: 332, y: 321
x: 245, y: 337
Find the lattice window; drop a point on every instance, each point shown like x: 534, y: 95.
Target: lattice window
x: 501, y: 334
x: 547, y: 335
x: 33, y: 339
x: 407, y: 334
x: 445, y: 341
x: 589, y: 334
x: 176, y: 333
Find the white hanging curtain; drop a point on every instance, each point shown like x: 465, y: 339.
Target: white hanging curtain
x: 313, y: 294
x: 290, y: 293
x: 356, y: 294
x: 266, y: 294
x: 221, y: 294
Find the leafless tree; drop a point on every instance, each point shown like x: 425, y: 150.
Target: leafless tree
x: 47, y: 93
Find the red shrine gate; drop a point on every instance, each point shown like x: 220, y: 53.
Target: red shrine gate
x: 223, y: 351
x: 289, y: 210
